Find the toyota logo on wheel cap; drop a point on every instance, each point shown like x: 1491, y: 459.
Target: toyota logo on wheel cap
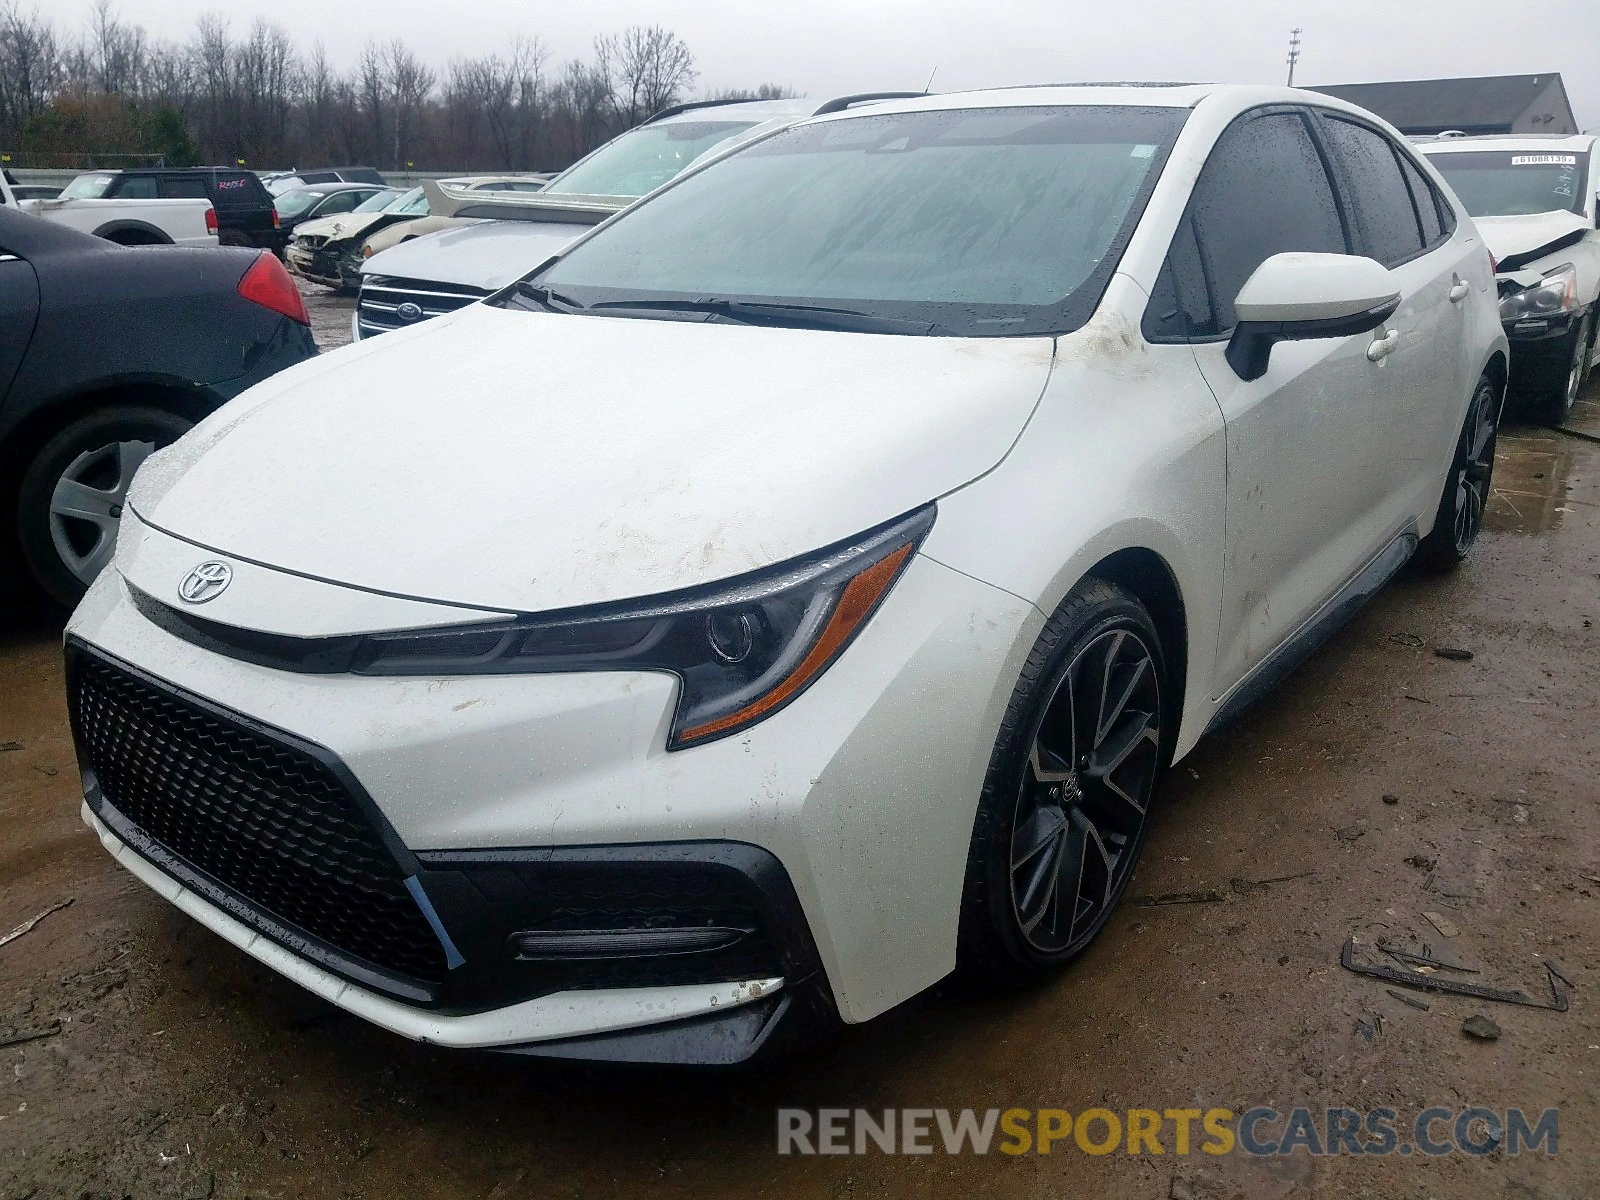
x: 409, y: 311
x: 205, y: 582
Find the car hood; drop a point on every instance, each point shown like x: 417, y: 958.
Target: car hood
x: 530, y: 462
x: 345, y: 225
x: 415, y: 228
x: 488, y: 255
x: 1525, y: 237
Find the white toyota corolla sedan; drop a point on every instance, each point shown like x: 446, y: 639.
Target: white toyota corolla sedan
x: 798, y: 587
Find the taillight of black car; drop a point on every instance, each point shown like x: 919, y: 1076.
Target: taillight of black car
x: 266, y: 283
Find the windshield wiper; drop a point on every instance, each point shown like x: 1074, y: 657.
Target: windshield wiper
x: 763, y: 312
x: 543, y: 296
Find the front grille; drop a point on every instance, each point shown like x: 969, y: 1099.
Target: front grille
x: 250, y: 811
x: 309, y: 241
x: 378, y: 310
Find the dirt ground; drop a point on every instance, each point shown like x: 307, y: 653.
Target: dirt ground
x: 171, y: 1065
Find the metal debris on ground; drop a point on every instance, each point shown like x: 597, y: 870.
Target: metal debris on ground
x: 1421, y: 862
x: 1407, y: 639
x: 1390, y: 798
x: 17, y: 1036
x: 1481, y: 1027
x: 1453, y: 653
x: 27, y: 926
x: 1209, y: 896
x: 4, y: 746
x: 1455, y: 987
x: 1350, y: 832
x: 1244, y: 886
x: 1443, y: 924
x: 1410, y: 1001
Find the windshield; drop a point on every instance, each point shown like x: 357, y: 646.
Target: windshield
x: 642, y: 160
x: 284, y: 183
x: 979, y: 222
x: 292, y: 204
x: 1515, y: 183
x: 412, y: 204
x: 87, y: 187
x: 378, y: 202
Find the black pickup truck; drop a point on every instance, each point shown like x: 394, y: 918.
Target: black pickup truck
x: 245, y: 213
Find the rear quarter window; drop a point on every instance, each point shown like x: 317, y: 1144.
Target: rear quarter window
x: 237, y: 189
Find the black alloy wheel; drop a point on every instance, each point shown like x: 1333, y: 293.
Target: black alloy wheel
x: 1468, y: 487
x: 1083, y: 801
x: 1067, y: 801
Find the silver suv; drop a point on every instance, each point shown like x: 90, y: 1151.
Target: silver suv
x: 441, y: 272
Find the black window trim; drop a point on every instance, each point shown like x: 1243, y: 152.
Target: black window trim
x: 1346, y: 216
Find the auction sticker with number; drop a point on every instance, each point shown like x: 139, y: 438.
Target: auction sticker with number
x: 1544, y: 160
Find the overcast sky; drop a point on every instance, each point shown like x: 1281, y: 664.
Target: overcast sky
x: 823, y: 47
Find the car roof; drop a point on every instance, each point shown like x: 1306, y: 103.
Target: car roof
x: 1577, y: 143
x: 330, y: 188
x: 1146, y: 95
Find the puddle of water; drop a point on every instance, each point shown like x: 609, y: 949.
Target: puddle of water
x: 1531, y: 469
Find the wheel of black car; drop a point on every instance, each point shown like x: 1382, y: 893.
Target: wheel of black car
x: 70, y: 503
x: 1066, y: 801
x: 1563, y: 382
x: 1467, y: 488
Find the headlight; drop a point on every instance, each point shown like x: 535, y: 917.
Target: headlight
x: 743, y: 648
x: 1556, y: 293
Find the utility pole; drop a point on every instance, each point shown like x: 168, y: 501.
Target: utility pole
x: 1294, y: 51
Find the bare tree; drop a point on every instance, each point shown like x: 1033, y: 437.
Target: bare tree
x: 116, y: 51
x: 371, y: 87
x: 111, y: 89
x: 410, y: 84
x: 30, y: 66
x: 645, y: 68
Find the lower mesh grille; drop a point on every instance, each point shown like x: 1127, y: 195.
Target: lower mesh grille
x: 266, y: 820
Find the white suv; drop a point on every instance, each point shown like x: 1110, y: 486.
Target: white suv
x: 1535, y: 201
x: 799, y: 585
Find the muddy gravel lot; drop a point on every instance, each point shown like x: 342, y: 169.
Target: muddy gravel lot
x: 1383, y: 781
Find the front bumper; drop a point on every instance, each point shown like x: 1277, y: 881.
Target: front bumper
x: 859, y: 798
x: 1531, y: 332
x: 270, y: 842
x: 686, y: 1025
x: 335, y: 266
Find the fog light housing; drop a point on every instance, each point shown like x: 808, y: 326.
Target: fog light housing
x: 584, y: 945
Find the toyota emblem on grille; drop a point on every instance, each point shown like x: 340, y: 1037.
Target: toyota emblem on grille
x: 409, y: 311
x: 205, y: 582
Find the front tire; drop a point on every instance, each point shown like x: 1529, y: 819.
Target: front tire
x: 1065, y: 804
x: 1557, y: 387
x: 69, y: 506
x: 1467, y: 487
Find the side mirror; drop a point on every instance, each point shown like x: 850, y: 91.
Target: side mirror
x: 1296, y: 297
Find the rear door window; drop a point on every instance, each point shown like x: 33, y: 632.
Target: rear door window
x: 338, y: 202
x: 135, y: 187
x: 1426, y: 200
x: 1263, y: 191
x: 1371, y: 179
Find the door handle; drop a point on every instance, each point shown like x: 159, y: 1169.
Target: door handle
x: 1458, y: 289
x: 1384, y: 346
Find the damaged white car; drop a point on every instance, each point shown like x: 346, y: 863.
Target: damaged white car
x: 799, y: 585
x: 1535, y: 201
